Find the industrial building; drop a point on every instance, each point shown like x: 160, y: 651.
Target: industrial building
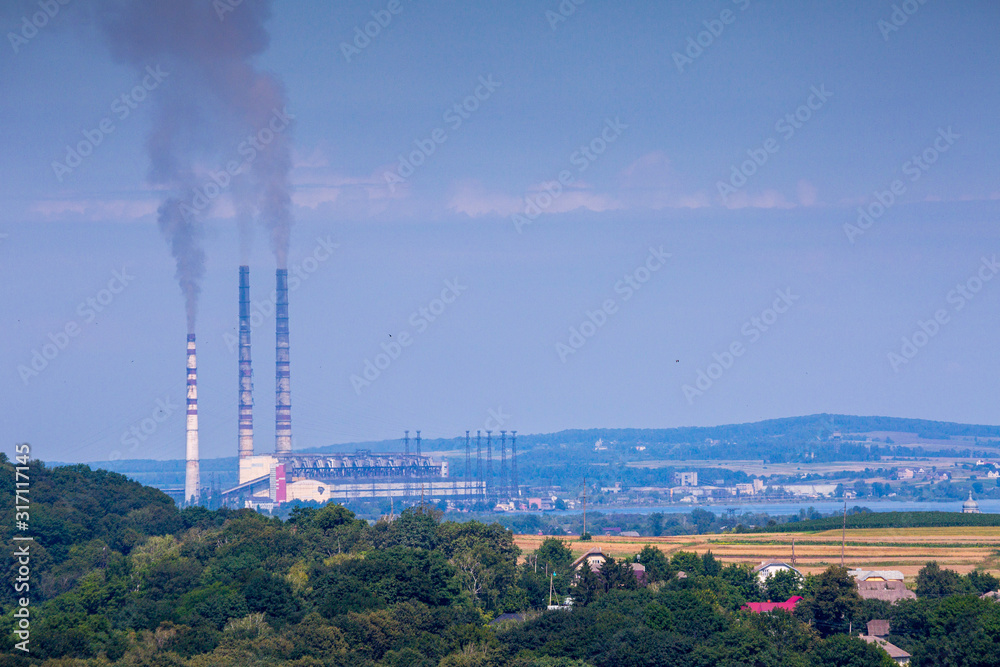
x: 267, y: 480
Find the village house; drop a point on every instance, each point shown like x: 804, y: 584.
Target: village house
x: 885, y: 585
x: 878, y: 630
x: 770, y: 568
x: 765, y: 607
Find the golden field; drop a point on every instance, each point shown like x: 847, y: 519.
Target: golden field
x: 905, y: 549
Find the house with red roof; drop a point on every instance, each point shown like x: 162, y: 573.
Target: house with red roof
x: 763, y: 607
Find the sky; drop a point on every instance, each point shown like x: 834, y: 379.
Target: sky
x: 528, y: 216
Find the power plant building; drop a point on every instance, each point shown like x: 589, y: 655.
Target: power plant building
x: 285, y: 476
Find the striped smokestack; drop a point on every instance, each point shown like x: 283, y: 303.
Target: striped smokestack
x: 192, y: 492
x: 283, y: 398
x: 246, y: 371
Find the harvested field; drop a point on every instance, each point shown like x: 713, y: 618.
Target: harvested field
x: 904, y: 549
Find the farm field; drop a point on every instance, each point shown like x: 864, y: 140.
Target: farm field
x: 904, y: 549
x: 760, y: 468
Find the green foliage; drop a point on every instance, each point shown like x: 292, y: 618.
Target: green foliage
x: 123, y: 579
x: 982, y: 582
x: 889, y: 520
x: 782, y: 585
x: 845, y: 651
x: 656, y: 564
x: 833, y: 602
x: 933, y: 582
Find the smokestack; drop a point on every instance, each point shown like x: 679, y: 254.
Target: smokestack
x: 246, y: 371
x: 283, y: 397
x: 192, y: 491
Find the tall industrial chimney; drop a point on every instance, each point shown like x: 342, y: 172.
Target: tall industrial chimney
x: 246, y: 370
x: 283, y: 397
x: 192, y: 492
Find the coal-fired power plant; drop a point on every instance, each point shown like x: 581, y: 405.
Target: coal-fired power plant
x: 283, y: 396
x: 267, y: 480
x: 246, y: 370
x: 192, y: 490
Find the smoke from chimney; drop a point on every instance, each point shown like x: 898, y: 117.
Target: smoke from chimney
x: 192, y: 483
x: 211, y: 101
x: 283, y: 398
x: 246, y: 371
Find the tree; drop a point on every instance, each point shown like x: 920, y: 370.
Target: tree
x: 983, y: 582
x: 710, y: 566
x: 656, y: 564
x: 656, y: 523
x: 587, y: 587
x: 554, y: 554
x: 331, y: 515
x: 618, y: 574
x: 702, y: 519
x: 833, y: 603
x: 846, y: 651
x: 933, y: 582
x: 782, y: 585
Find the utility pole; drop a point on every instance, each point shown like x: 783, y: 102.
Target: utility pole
x: 489, y: 466
x: 468, y: 459
x: 584, y: 506
x: 480, y: 486
x: 513, y: 464
x: 793, y: 551
x: 843, y: 535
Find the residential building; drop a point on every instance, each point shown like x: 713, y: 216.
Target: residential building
x: 876, y: 575
x: 887, y: 591
x: 764, y: 607
x: 898, y: 655
x: 769, y: 568
x: 686, y: 478
x: 594, y: 558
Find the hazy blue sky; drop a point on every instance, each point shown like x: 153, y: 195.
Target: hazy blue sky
x: 663, y: 131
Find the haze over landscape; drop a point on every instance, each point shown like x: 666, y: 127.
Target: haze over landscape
x: 675, y: 130
x: 542, y: 333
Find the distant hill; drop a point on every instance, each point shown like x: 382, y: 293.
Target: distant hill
x: 786, y: 439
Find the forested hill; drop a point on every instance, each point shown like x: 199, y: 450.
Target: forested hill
x: 120, y: 577
x: 811, y: 427
x: 800, y: 430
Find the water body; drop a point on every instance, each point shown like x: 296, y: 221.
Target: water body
x: 787, y: 508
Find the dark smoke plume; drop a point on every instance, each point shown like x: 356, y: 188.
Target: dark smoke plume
x: 212, y: 101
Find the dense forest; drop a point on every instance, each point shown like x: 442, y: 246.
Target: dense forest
x: 120, y: 576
